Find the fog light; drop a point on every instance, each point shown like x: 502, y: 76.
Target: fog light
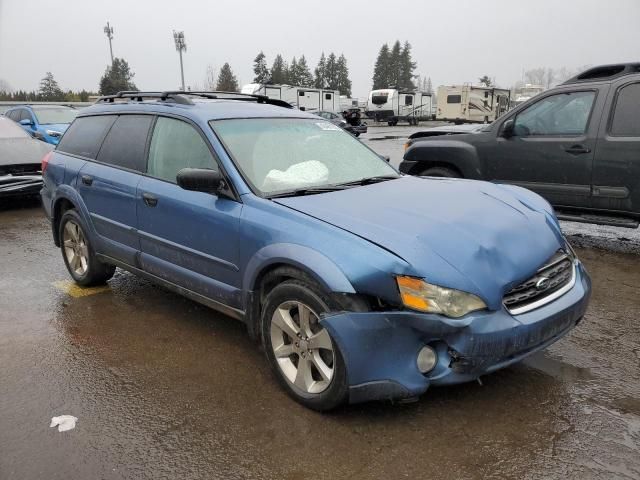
x: 427, y: 359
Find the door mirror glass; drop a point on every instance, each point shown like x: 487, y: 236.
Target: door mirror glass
x: 26, y: 122
x: 508, y: 129
x: 200, y: 180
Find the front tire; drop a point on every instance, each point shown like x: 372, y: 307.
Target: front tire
x: 78, y: 254
x: 301, y: 353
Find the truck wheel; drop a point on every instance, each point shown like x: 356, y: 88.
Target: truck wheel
x: 439, y: 172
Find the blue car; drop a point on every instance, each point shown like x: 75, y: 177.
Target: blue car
x: 361, y: 283
x: 44, y: 122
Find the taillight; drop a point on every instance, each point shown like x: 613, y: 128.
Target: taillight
x: 45, y: 161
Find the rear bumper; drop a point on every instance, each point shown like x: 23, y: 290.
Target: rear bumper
x: 380, y: 348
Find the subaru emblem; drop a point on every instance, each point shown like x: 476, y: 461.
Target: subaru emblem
x: 542, y: 283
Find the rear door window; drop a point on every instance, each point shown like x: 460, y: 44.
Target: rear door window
x: 85, y: 135
x: 125, y: 143
x: 176, y: 145
x: 627, y: 110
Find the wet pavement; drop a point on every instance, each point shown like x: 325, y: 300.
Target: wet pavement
x: 165, y: 388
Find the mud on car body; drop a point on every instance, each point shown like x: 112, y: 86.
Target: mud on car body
x: 361, y: 283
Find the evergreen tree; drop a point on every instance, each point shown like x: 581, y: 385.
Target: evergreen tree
x: 343, y: 83
x: 260, y: 69
x: 305, y: 78
x: 486, y: 81
x: 49, y: 89
x: 278, y: 70
x: 395, y: 65
x: 293, y: 77
x: 429, y: 86
x: 331, y: 72
x: 117, y: 77
x: 381, y: 69
x: 406, y: 68
x: 320, y: 72
x: 227, y: 81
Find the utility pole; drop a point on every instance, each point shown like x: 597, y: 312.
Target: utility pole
x: 109, y: 31
x: 181, y: 46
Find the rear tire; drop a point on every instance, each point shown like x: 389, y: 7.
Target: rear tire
x: 78, y: 254
x: 440, y: 172
x: 302, y: 355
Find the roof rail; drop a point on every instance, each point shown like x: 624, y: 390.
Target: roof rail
x: 181, y: 97
x: 605, y: 72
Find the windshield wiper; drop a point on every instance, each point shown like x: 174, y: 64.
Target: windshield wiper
x: 307, y: 191
x: 369, y: 180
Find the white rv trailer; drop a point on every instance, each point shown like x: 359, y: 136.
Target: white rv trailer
x: 526, y: 92
x: 469, y: 104
x: 392, y: 106
x: 308, y: 99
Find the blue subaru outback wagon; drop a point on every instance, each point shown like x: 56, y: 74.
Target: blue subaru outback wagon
x: 361, y: 283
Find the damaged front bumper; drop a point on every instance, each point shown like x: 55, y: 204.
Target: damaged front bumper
x: 380, y: 348
x: 18, y: 185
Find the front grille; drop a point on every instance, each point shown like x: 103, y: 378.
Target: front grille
x: 556, y: 275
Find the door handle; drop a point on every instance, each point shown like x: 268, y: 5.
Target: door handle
x: 577, y: 149
x: 87, y: 180
x: 149, y: 199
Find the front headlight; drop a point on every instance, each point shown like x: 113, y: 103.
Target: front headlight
x: 54, y: 133
x: 425, y: 297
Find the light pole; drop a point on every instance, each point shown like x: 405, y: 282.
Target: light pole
x: 181, y: 46
x: 109, y: 31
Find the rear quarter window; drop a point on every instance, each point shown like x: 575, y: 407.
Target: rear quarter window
x: 85, y: 135
x: 625, y: 117
x: 126, y: 141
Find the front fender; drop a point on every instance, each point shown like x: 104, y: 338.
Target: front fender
x: 461, y: 155
x: 319, y: 267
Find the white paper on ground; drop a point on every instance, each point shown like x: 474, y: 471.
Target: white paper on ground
x: 300, y: 175
x: 64, y: 422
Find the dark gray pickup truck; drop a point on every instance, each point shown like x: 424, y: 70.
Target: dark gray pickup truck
x: 577, y: 145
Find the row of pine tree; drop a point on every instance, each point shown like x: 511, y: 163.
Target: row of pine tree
x: 394, y: 67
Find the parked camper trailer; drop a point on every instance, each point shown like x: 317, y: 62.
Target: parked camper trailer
x: 392, y: 106
x: 470, y: 104
x: 308, y: 99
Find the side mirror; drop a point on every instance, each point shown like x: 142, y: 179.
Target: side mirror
x: 203, y: 180
x: 508, y: 129
x: 26, y: 122
x: 386, y: 158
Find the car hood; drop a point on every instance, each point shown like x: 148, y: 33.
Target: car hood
x: 18, y: 151
x: 473, y: 236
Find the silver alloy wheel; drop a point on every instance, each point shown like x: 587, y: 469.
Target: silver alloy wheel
x: 75, y: 248
x: 302, y: 347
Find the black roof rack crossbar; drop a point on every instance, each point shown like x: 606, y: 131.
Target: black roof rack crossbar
x: 181, y: 97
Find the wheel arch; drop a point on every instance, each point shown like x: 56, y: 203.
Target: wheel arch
x: 287, y: 261
x: 455, y: 155
x: 67, y: 198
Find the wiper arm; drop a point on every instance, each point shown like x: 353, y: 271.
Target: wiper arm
x: 307, y: 191
x: 369, y: 180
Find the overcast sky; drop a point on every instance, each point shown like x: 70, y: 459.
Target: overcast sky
x: 453, y: 41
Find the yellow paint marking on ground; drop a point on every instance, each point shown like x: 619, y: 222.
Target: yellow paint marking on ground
x: 76, y: 291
